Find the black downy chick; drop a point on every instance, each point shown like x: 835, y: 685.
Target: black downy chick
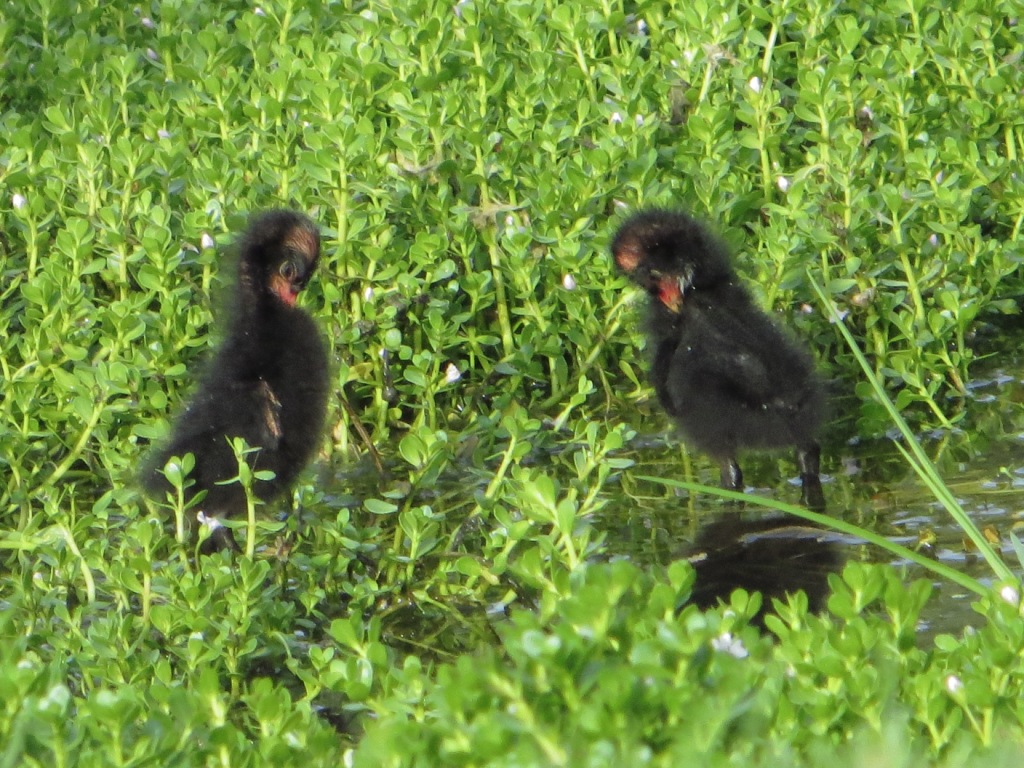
x: 728, y: 375
x: 267, y: 382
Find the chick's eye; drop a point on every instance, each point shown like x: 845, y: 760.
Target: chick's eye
x: 287, y: 270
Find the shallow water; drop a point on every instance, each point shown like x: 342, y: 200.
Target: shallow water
x: 866, y: 482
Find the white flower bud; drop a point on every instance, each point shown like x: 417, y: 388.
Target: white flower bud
x: 728, y: 644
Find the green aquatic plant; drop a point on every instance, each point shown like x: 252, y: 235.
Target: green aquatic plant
x: 467, y: 163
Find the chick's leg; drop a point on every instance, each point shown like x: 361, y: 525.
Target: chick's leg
x: 809, y: 460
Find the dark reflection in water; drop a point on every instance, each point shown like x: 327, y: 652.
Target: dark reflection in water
x: 775, y: 556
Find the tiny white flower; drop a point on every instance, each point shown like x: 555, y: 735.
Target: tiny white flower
x: 866, y: 113
x: 689, y: 56
x: 616, y: 118
x: 259, y: 11
x: 148, y: 23
x: 953, y: 684
x: 755, y: 84
x: 842, y: 314
x: 18, y: 201
x: 807, y: 309
x: 639, y: 120
x: 933, y: 240
x: 568, y: 282
x: 641, y: 26
x: 863, y: 298
x: 368, y: 293
x: 152, y: 55
x: 452, y: 374
x: 728, y: 644
x: 209, y: 521
x: 457, y: 8
x: 939, y: 177
x: 674, y: 62
x: 1010, y: 595
x: 783, y: 184
x: 510, y: 221
x: 163, y: 134
x: 206, y: 241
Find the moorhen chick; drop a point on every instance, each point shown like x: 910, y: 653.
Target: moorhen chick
x: 267, y: 381
x: 727, y: 374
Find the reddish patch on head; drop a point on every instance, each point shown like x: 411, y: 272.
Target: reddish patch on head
x: 628, y: 256
x: 670, y: 294
x: 284, y: 290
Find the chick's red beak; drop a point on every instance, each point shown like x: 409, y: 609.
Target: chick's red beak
x: 670, y: 293
x: 284, y: 290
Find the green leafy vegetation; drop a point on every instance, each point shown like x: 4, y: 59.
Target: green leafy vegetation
x: 467, y: 162
x: 612, y: 676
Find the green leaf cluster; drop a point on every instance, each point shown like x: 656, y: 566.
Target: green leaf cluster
x: 468, y: 162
